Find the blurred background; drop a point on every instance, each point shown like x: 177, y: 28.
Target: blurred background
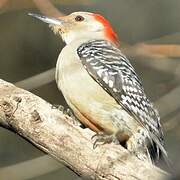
x: 149, y: 33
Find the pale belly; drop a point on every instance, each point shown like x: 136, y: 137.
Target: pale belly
x: 92, y: 105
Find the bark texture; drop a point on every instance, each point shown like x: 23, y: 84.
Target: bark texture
x: 56, y: 134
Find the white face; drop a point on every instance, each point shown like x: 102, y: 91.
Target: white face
x: 78, y: 25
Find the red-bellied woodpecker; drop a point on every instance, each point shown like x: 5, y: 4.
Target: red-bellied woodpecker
x: 101, y: 86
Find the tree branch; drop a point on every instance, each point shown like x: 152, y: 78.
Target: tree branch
x: 55, y: 133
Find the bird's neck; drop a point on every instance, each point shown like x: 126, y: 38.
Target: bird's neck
x: 83, y: 37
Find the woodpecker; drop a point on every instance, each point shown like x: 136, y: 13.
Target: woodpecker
x: 101, y: 86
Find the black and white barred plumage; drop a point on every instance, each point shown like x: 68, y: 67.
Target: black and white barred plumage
x: 113, y: 71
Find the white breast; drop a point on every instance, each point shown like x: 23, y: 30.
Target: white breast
x: 82, y: 92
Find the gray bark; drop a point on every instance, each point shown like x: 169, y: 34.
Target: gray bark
x: 58, y: 135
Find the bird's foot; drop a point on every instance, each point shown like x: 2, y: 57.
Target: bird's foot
x: 68, y: 112
x: 101, y: 138
x: 59, y: 107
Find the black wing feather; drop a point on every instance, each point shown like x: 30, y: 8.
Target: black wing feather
x: 113, y: 71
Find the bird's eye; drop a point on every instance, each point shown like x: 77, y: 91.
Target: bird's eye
x: 79, y: 18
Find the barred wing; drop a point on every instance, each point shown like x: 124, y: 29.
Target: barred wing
x: 113, y: 71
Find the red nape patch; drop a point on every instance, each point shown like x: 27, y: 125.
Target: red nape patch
x: 111, y: 35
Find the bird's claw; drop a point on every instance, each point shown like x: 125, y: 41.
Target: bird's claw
x: 68, y: 112
x: 101, y: 139
x: 59, y: 107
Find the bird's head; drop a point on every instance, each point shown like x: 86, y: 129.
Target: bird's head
x: 81, y: 25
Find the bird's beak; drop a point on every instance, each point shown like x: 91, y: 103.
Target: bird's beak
x: 46, y: 19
